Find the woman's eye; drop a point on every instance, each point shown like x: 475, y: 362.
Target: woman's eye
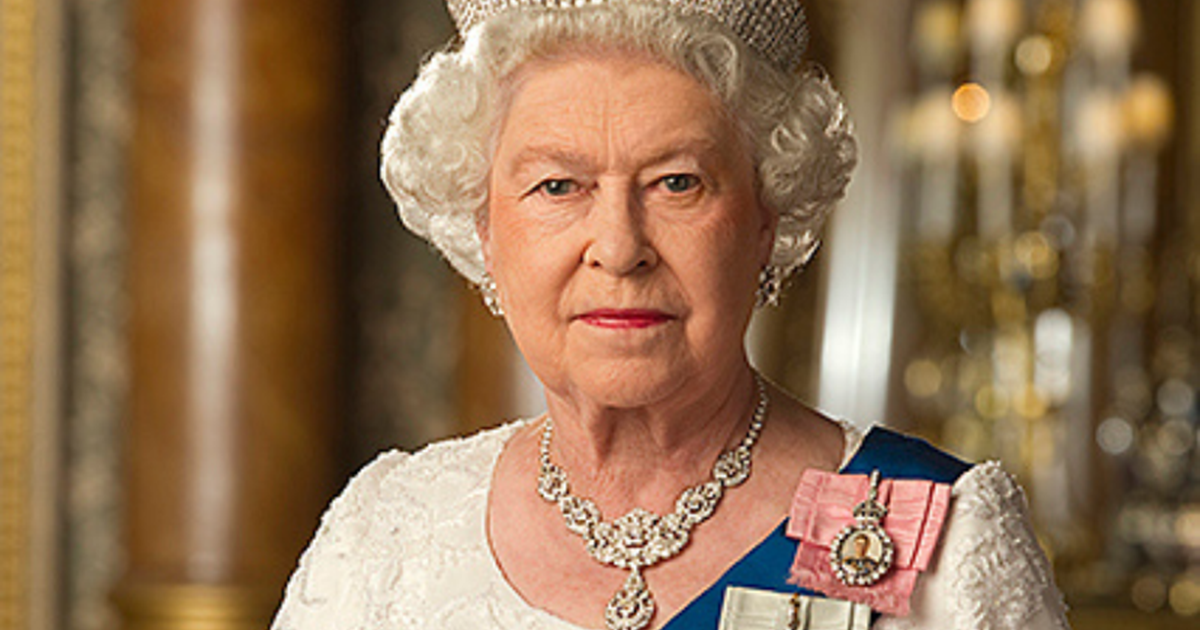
x: 680, y: 182
x: 558, y: 187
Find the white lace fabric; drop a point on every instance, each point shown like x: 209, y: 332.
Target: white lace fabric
x: 405, y: 547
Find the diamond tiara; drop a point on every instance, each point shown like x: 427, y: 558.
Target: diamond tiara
x: 777, y: 29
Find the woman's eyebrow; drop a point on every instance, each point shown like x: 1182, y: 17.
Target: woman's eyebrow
x: 546, y: 153
x: 705, y: 149
x: 702, y: 148
x: 705, y: 152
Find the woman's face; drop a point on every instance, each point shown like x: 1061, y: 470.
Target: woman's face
x: 623, y: 229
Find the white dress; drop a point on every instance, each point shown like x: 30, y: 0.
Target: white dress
x: 405, y: 547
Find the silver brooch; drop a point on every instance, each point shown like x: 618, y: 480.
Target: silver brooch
x: 862, y: 553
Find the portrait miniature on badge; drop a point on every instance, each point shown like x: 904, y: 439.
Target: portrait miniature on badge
x: 862, y: 553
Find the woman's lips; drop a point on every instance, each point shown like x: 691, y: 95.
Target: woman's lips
x: 625, y: 318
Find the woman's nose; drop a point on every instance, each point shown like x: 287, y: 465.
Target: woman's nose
x: 618, y: 241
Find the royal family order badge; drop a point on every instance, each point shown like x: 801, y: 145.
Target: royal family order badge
x: 862, y: 552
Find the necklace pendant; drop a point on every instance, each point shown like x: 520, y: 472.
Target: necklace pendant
x: 862, y: 553
x: 641, y: 538
x: 632, y: 607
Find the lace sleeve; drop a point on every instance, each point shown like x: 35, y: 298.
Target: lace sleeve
x: 990, y: 574
x: 326, y: 590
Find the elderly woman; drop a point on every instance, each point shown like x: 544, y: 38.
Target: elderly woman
x: 624, y: 181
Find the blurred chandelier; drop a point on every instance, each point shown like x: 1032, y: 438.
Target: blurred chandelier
x: 1056, y: 294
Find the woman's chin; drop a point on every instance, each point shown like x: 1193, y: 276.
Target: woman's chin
x: 628, y: 383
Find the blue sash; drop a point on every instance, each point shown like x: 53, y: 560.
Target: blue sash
x: 769, y: 564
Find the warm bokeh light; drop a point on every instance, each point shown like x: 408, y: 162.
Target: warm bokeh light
x: 923, y: 378
x: 971, y: 102
x: 1035, y: 54
x: 1149, y: 111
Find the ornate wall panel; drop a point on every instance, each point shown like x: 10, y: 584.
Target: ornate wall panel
x: 96, y: 357
x: 406, y: 302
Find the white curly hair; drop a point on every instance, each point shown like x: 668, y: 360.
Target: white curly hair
x: 437, y: 151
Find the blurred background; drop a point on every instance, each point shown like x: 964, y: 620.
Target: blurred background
x: 210, y: 316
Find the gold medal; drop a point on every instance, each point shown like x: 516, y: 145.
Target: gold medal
x: 862, y: 553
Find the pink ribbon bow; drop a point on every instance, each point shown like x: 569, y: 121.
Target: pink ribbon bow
x: 823, y: 505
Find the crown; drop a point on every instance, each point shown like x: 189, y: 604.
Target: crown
x: 869, y: 511
x: 776, y: 29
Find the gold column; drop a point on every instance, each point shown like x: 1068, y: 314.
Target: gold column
x: 17, y: 147
x: 235, y: 283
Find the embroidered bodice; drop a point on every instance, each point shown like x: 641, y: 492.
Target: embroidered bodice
x: 405, y: 547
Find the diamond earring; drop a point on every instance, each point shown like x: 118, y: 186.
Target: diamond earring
x: 770, y: 286
x: 491, y: 298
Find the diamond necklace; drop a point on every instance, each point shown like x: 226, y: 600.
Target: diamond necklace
x: 641, y: 538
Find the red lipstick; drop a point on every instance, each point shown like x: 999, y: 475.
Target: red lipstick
x: 624, y: 318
